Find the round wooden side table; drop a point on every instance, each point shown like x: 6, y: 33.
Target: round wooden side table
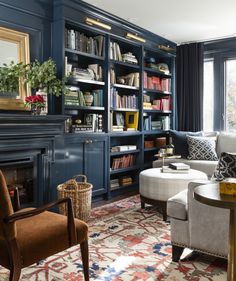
x: 210, y: 195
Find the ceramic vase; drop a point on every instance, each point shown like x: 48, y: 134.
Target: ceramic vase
x: 88, y: 97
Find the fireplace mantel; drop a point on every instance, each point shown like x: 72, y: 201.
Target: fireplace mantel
x: 17, y: 126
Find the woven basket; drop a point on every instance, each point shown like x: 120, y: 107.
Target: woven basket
x: 80, y: 194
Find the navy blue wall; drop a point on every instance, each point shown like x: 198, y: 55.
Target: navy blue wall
x: 33, y: 17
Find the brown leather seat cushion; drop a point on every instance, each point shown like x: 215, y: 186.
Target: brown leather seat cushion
x: 43, y: 235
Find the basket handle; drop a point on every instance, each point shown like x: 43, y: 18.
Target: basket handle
x: 80, y: 176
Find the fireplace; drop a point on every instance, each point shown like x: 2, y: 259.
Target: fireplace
x: 27, y: 156
x: 21, y: 174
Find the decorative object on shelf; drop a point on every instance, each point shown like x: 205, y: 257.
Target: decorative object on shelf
x: 88, y: 97
x: 37, y: 103
x: 134, y: 37
x: 13, y: 91
x: 97, y: 22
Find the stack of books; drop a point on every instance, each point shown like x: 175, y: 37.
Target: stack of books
x: 178, y: 168
x: 120, y: 148
x: 123, y: 162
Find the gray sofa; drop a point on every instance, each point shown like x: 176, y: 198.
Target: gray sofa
x: 225, y: 142
x: 197, y: 226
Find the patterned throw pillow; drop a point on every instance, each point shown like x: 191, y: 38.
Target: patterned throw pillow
x: 226, y: 167
x: 201, y: 148
x: 179, y: 139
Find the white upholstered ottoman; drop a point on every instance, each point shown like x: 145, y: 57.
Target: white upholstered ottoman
x: 156, y: 188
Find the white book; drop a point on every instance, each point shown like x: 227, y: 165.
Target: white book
x: 179, y: 166
x: 166, y: 169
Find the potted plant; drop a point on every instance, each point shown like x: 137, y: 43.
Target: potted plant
x: 10, y: 76
x: 36, y: 102
x: 42, y: 78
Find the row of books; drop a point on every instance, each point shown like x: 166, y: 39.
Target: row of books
x: 158, y: 104
x: 120, y: 148
x: 157, y: 83
x: 163, y: 123
x: 115, y: 54
x: 78, y: 41
x: 76, y: 97
x: 92, y: 123
x: 123, y: 101
x: 121, y: 181
x: 131, y: 79
x: 123, y: 162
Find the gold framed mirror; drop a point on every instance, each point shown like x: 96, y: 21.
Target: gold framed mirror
x: 14, y: 46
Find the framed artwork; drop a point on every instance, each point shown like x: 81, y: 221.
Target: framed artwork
x: 14, y: 46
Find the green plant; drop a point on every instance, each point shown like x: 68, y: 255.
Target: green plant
x: 43, y: 76
x: 10, y: 77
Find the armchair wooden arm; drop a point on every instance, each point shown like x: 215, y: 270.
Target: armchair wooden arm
x: 70, y: 216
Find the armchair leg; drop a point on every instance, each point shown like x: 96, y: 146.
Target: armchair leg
x: 15, y: 274
x: 176, y: 253
x: 85, y: 258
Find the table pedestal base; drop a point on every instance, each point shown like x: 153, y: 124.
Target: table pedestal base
x: 231, y: 272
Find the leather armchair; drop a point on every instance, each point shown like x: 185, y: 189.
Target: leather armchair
x: 197, y: 226
x: 30, y: 235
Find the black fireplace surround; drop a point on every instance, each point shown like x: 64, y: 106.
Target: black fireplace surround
x: 30, y: 149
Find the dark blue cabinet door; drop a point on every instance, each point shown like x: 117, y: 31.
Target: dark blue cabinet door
x: 74, y: 157
x: 87, y: 155
x: 96, y: 164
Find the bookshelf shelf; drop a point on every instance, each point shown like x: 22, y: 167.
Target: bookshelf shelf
x: 154, y: 132
x: 125, y: 152
x: 151, y: 149
x: 124, y: 133
x: 125, y: 87
x: 117, y: 171
x: 124, y: 109
x: 90, y: 108
x: 78, y: 81
x: 156, y: 72
x: 157, y: 111
x: 125, y: 64
x: 70, y: 51
x: 156, y: 92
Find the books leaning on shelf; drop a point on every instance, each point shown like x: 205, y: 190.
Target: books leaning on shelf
x: 76, y: 97
x: 76, y: 40
x: 92, y: 123
x: 122, y: 101
x: 157, y: 83
x: 120, y: 148
x: 123, y: 162
x: 131, y: 79
x: 166, y: 169
x: 179, y: 166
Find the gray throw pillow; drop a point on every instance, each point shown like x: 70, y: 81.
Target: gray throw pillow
x: 226, y: 167
x: 201, y: 148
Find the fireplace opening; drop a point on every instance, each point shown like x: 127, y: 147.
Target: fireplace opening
x: 21, y: 174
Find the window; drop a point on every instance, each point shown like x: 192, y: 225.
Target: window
x: 230, y: 94
x: 208, y: 96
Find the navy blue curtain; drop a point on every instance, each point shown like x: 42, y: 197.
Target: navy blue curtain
x: 189, y: 96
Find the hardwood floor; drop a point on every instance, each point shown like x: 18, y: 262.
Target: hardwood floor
x: 117, y: 198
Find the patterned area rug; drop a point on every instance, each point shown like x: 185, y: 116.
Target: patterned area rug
x: 126, y: 243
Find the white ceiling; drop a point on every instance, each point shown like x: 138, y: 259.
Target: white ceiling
x: 180, y: 21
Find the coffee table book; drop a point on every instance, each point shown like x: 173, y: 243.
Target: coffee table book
x: 166, y: 169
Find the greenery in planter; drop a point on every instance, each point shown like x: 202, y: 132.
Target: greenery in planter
x: 43, y: 76
x: 10, y: 76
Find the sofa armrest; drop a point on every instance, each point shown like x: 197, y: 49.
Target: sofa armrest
x: 208, y: 226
